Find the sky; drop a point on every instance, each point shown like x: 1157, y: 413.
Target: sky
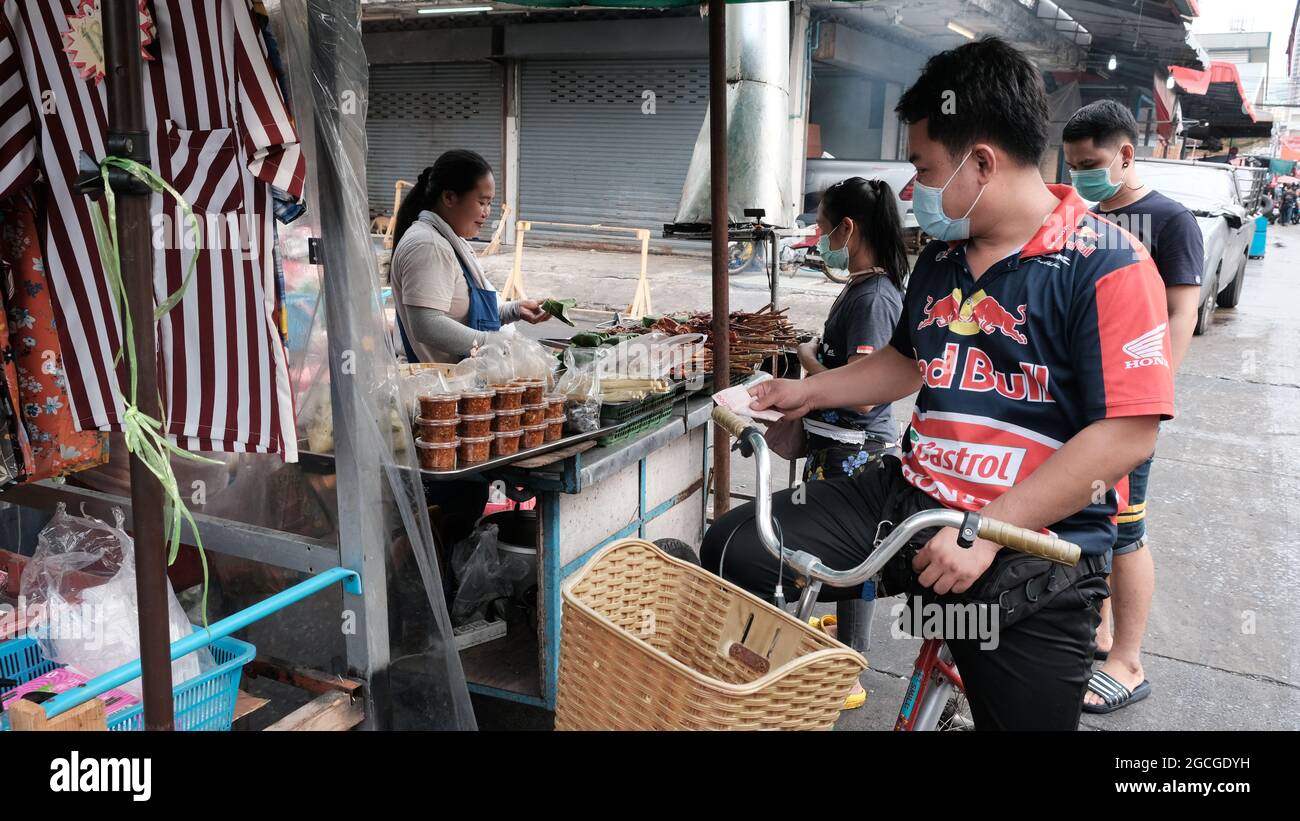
x: 1256, y: 15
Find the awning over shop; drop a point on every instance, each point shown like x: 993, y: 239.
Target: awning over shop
x: 1219, y: 102
x: 1139, y: 36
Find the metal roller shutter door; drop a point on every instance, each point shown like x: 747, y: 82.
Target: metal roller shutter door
x: 417, y: 111
x: 587, y: 152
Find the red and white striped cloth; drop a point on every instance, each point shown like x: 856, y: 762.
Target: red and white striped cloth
x: 222, y: 136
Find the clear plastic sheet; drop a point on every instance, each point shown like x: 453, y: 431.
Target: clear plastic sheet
x: 531, y: 359
x: 493, y: 364
x: 350, y: 403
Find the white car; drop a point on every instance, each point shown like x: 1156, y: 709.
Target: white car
x: 1213, y: 193
x: 820, y: 174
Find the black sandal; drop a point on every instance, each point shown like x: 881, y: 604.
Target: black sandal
x: 1113, y: 694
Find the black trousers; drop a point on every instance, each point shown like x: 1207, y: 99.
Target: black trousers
x: 1035, y: 677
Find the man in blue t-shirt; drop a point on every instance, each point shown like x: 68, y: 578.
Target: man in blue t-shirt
x: 1100, y: 142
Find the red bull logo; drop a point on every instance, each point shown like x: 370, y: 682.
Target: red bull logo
x: 977, y: 313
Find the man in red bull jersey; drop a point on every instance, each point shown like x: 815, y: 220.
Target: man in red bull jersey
x: 1040, y: 361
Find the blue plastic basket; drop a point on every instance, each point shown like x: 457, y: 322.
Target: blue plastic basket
x: 205, y: 702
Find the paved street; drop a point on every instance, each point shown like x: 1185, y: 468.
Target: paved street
x: 1224, y: 510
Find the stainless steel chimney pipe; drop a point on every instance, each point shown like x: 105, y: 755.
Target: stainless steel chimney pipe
x: 758, y: 91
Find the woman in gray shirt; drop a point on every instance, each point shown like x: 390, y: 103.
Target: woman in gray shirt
x: 861, y: 233
x: 446, y: 307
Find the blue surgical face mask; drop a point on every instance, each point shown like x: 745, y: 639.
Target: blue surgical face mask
x: 1094, y: 184
x: 838, y: 258
x: 927, y: 205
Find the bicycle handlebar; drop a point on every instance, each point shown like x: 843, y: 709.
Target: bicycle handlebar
x: 1043, y: 545
x: 730, y: 422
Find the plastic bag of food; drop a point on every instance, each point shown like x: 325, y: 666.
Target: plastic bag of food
x: 580, y: 385
x: 80, y: 585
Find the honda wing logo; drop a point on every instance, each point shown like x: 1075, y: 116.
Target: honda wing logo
x: 1147, y: 349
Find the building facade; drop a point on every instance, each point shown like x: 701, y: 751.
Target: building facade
x: 591, y: 115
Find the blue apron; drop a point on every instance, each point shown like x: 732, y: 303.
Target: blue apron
x: 484, y: 315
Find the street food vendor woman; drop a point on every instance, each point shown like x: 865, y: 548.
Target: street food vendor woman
x: 446, y: 307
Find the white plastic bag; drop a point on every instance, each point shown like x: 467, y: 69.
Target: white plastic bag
x: 88, y: 624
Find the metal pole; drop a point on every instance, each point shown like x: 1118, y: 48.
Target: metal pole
x: 126, y: 118
x: 362, y: 532
x: 721, y: 232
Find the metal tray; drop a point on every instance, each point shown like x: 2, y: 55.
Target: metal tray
x: 324, y: 462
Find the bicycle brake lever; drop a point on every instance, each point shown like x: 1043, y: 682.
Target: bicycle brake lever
x: 969, y: 530
x: 745, y: 448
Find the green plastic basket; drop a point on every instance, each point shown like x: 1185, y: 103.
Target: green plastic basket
x: 616, y: 413
x: 651, y: 421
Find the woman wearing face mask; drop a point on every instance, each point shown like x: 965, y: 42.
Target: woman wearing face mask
x: 862, y: 234
x: 446, y: 307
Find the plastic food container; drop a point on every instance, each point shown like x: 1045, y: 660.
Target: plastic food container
x: 534, y: 414
x: 534, y: 391
x: 478, y: 425
x: 534, y: 436
x: 554, y: 407
x: 437, y: 455
x: 554, y: 429
x: 508, y: 420
x: 438, y: 431
x: 476, y: 403
x: 509, y: 397
x: 475, y: 449
x: 440, y: 406
x: 506, y: 442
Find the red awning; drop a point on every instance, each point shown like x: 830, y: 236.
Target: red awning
x: 1197, y: 82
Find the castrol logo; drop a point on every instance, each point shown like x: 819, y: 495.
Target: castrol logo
x: 980, y: 463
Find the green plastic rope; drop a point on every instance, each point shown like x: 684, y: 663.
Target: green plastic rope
x: 145, y: 436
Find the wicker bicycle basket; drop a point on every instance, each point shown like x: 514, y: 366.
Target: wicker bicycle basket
x: 649, y: 642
